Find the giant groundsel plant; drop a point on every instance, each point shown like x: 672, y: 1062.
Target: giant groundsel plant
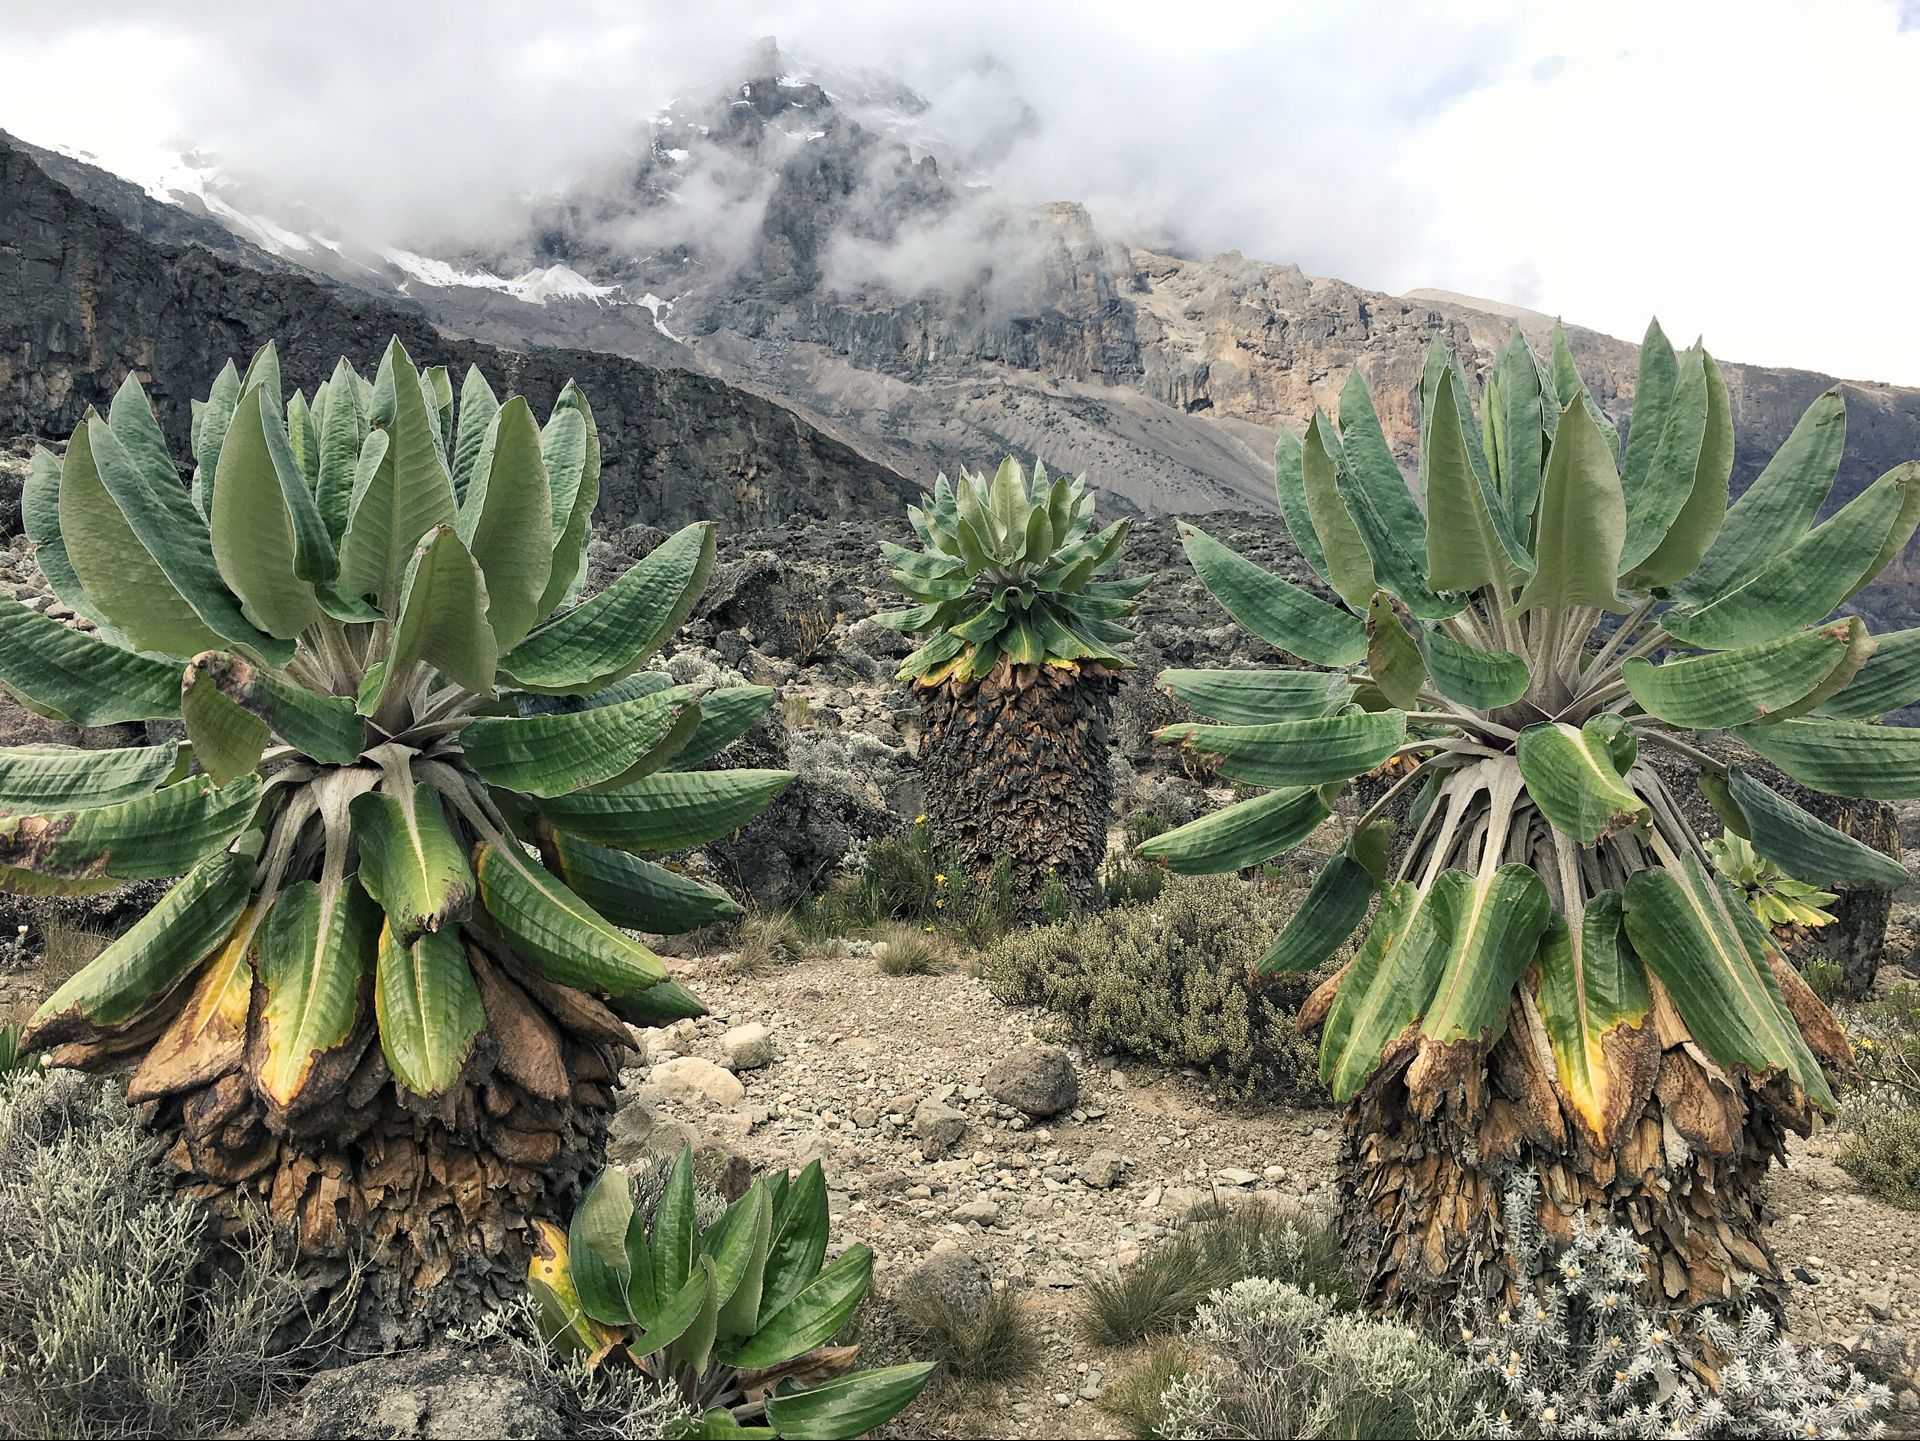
x: 1554, y: 977
x: 390, y: 993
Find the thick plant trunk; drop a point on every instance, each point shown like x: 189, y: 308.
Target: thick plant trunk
x: 425, y: 1208
x: 1423, y: 1197
x: 1857, y: 939
x: 1015, y: 770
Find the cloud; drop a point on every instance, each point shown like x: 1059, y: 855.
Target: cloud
x: 1738, y: 168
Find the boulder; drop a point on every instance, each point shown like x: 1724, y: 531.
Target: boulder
x: 938, y: 1123
x: 689, y: 1078
x: 1037, y: 1080
x: 748, y: 1047
x: 440, y: 1392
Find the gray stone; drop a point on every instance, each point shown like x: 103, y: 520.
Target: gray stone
x: 417, y: 1396
x: 1038, y: 1080
x: 748, y: 1047
x: 939, y: 1123
x: 688, y: 1078
x: 981, y: 1211
x: 1103, y: 1169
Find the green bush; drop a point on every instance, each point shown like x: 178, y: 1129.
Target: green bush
x: 902, y: 878
x: 976, y: 1335
x: 1170, y: 981
x: 1883, y: 1154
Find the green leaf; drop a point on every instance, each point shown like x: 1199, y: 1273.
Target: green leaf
x: 1778, y: 507
x: 1803, y: 585
x: 1332, y: 910
x: 676, y: 1231
x: 1467, y: 541
x: 210, y: 430
x: 1593, y: 998
x: 578, y: 497
x: 669, y: 811
x: 560, y: 933
x: 1297, y: 753
x: 637, y: 894
x: 597, y: 1245
x: 407, y: 494
x: 40, y: 513
x: 1493, y: 922
x: 850, y: 1406
x: 478, y: 406
x: 616, y: 632
x: 343, y: 433
x: 428, y: 1007
x: 1383, y: 509
x: 51, y: 778
x: 1663, y: 447
x: 130, y: 418
x: 1842, y: 758
x: 1582, y: 520
x: 1257, y: 697
x: 1684, y: 927
x: 505, y: 519
x: 555, y: 755
x: 226, y: 739
x: 812, y: 1318
x: 1890, y: 680
x: 1290, y: 487
x: 1244, y: 834
x: 162, y: 833
x: 1386, y: 989
x: 692, y: 1351
x: 1567, y: 384
x: 263, y: 373
x: 1573, y: 778
x: 740, y: 1262
x: 411, y: 862
x: 316, y: 947
x: 1519, y: 428
x: 303, y: 437
x: 56, y: 670
x: 442, y: 616
x: 799, y: 1244
x: 190, y: 922
x: 1804, y: 846
x: 268, y: 538
x: 1734, y: 687
x: 1704, y: 510
x: 1347, y: 559
x: 1275, y: 610
x: 725, y: 715
x: 1394, y: 659
x: 1482, y: 680
x: 324, y: 727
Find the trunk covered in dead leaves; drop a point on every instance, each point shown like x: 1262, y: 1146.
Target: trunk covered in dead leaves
x: 1015, y: 769
x: 1425, y: 1178
x: 425, y: 1207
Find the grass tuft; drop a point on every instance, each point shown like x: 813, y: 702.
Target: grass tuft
x: 1134, y: 1396
x: 911, y: 951
x: 982, y: 1335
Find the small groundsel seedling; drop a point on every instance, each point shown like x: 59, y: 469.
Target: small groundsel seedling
x: 739, y: 1315
x: 1278, y: 1360
x: 976, y: 1334
x: 1788, y: 907
x: 1218, y: 1246
x: 1586, y: 1354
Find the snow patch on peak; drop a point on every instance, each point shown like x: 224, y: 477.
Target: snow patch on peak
x: 557, y: 281
x: 535, y: 287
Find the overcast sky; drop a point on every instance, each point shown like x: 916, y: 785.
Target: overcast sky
x: 1746, y: 170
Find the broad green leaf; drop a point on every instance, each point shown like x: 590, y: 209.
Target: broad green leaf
x: 1290, y: 487
x: 1704, y: 511
x: 659, y: 1005
x: 1582, y: 520
x: 1493, y: 922
x: 1733, y: 687
x: 812, y: 1318
x: 1467, y: 541
x: 561, y: 934
x: 1257, y: 697
x: 263, y: 373
x: 1663, y: 447
x: 428, y: 1007
x: 59, y: 671
x: 1331, y: 911
x: 1683, y: 926
x: 1843, y: 758
x: 268, y: 537
x: 343, y: 434
x: 1244, y: 834
x: 1803, y: 845
x: 324, y: 727
x: 1905, y: 477
x: 303, y: 437
x: 1383, y: 509
x: 162, y: 833
x: 51, y: 778
x: 637, y: 894
x: 40, y: 514
x: 1856, y: 647
x: 1778, y: 507
x: 555, y: 755
x: 505, y: 519
x: 1386, y: 989
x: 164, y: 945
x: 692, y: 1351
x: 597, y: 1248
x: 1568, y: 385
x: 1297, y: 753
x: 210, y: 430
x: 1804, y: 584
x: 411, y: 861
x: 799, y: 1244
x: 1482, y: 680
x: 1890, y: 680
x: 442, y: 616
x: 579, y: 498
x: 616, y: 632
x: 668, y: 811
x: 563, y: 1324
x: 130, y: 418
x: 850, y: 1406
x: 1573, y: 777
x: 1340, y: 542
x: 1280, y: 613
x: 1519, y: 427
x: 316, y: 946
x: 676, y: 1230
x: 208, y: 1038
x: 227, y: 740
x: 1393, y: 657
x: 407, y: 495
x: 478, y: 406
x: 740, y: 1261
x: 1593, y: 1002
x: 725, y: 715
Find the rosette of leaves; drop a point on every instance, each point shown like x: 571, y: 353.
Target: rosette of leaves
x: 1014, y: 589
x: 1554, y: 977
x: 389, y: 996
x: 1787, y: 907
x: 739, y: 1316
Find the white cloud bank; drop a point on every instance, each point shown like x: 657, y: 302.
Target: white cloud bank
x: 1745, y: 170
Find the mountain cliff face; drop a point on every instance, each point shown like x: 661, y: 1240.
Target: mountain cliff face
x: 84, y: 300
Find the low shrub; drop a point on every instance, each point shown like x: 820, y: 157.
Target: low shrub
x: 1134, y: 1395
x: 902, y: 878
x: 120, y: 1314
x: 1883, y: 1153
x: 1218, y: 1246
x: 1279, y: 1360
x: 1170, y: 981
x: 982, y: 1334
x: 910, y: 951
